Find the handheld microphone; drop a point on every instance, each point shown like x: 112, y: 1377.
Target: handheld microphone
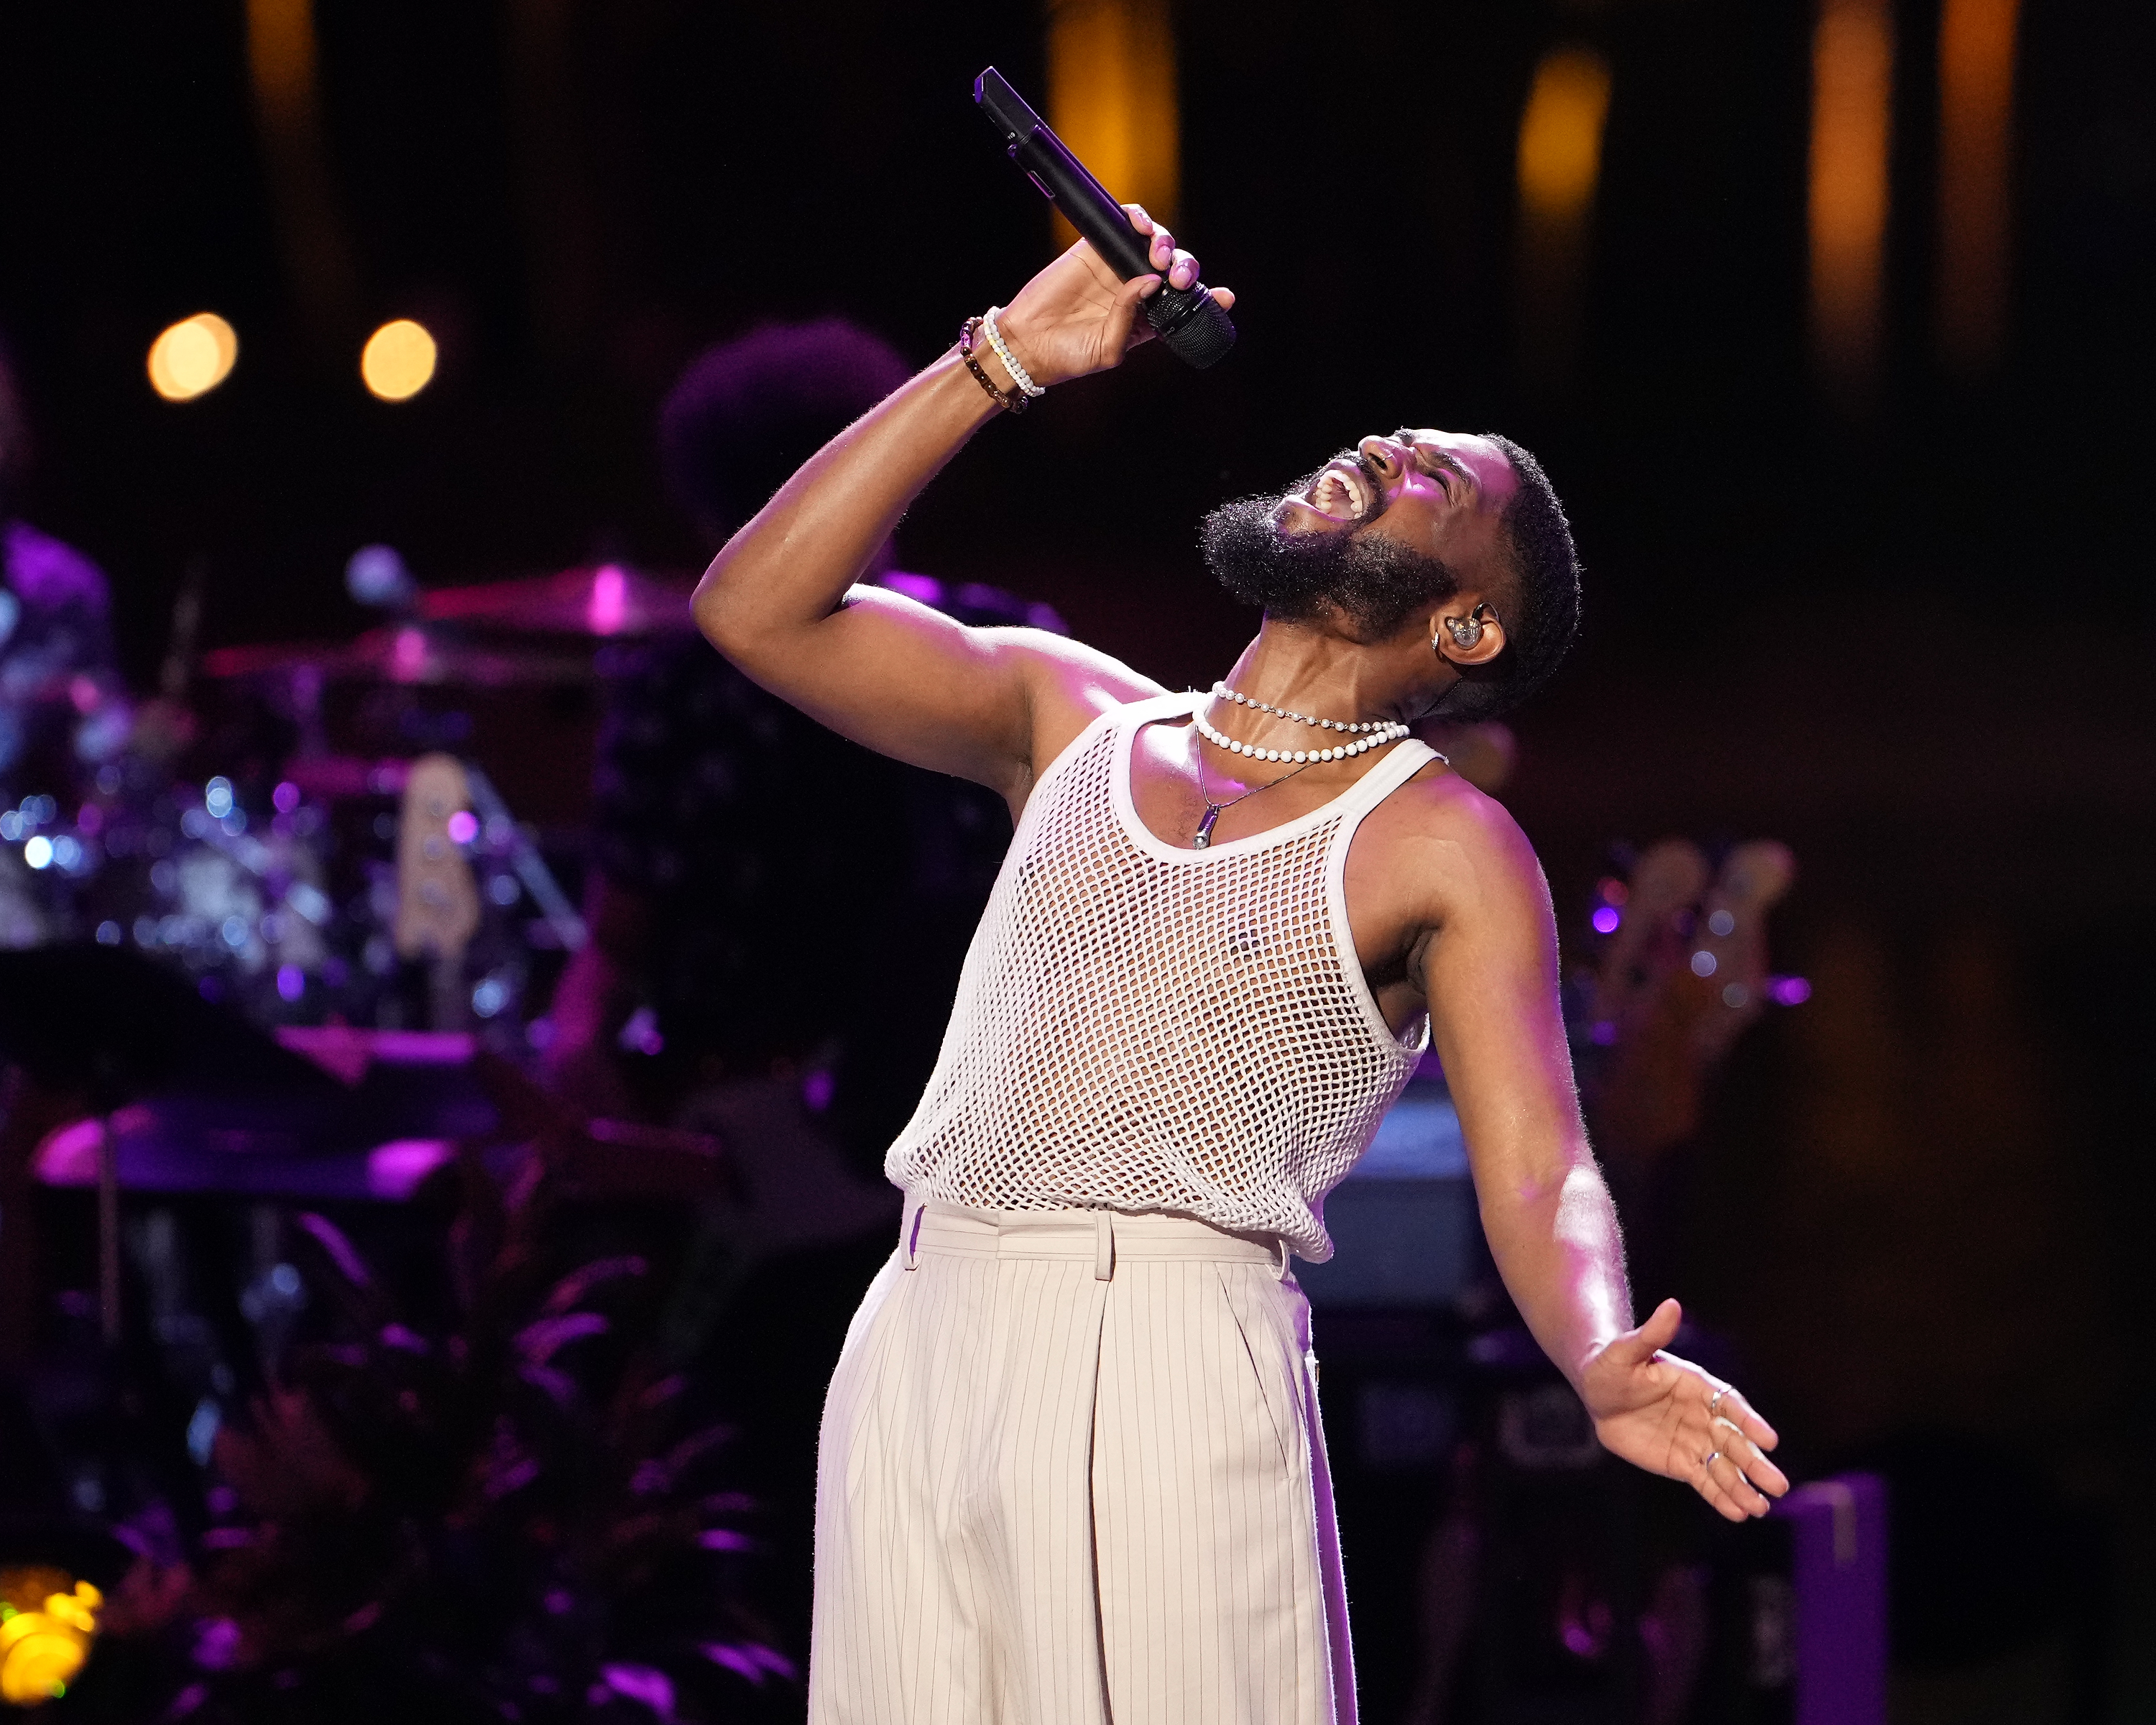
x: 1188, y: 320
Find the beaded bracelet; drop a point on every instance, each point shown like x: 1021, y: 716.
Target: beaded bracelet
x: 1010, y: 404
x: 1019, y: 376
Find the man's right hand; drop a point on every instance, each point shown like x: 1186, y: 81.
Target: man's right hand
x: 1075, y: 318
x: 993, y: 705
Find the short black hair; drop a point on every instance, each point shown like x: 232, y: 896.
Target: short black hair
x: 1375, y: 583
x: 1540, y: 614
x: 745, y: 414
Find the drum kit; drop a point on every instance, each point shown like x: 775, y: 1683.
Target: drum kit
x: 352, y: 892
x: 298, y: 976
x: 353, y: 863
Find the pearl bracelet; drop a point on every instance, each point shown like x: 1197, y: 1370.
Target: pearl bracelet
x: 1018, y: 375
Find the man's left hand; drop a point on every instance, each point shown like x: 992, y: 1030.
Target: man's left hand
x: 1666, y: 1415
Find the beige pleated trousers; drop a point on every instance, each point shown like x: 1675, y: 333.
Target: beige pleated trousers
x: 1071, y: 1473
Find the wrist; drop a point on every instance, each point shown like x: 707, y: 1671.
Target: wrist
x: 1011, y: 339
x: 998, y: 372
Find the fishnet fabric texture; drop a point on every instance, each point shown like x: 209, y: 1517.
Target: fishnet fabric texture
x: 1143, y: 1028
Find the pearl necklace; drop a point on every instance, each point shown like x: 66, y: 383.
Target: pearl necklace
x: 1381, y: 733
x: 1221, y: 691
x: 1386, y: 730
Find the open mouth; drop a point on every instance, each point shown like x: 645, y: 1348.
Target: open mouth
x: 1342, y: 492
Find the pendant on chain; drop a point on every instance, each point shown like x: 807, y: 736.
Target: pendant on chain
x: 1204, y: 836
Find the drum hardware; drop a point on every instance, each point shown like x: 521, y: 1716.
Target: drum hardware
x: 605, y: 602
x: 530, y: 867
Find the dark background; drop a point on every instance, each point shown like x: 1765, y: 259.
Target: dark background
x: 1915, y: 644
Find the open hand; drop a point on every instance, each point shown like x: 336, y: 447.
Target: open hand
x: 1666, y: 1415
x: 1076, y: 317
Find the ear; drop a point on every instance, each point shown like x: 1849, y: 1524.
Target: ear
x: 1457, y: 612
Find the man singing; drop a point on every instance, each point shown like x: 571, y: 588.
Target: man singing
x: 1071, y: 1468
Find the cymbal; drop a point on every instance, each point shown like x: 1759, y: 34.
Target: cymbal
x: 603, y: 601
x: 402, y: 653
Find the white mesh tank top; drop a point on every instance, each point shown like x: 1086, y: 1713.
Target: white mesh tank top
x: 1140, y: 1027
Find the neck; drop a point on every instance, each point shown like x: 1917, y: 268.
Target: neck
x: 1326, y: 676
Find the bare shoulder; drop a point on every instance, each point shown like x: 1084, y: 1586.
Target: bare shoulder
x: 1464, y: 848
x: 1069, y: 685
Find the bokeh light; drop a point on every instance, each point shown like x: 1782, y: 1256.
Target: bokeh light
x: 1852, y: 138
x: 193, y: 356
x: 398, y: 360
x: 1112, y: 97
x: 1560, y: 155
x: 1977, y: 42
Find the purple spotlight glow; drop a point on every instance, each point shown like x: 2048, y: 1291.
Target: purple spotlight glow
x: 1606, y: 919
x: 291, y: 982
x: 1787, y: 990
x: 607, y: 607
x: 286, y: 797
x: 463, y: 826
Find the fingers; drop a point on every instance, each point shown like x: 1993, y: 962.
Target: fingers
x: 1729, y: 1493
x: 1761, y: 1474
x: 1735, y: 1477
x: 1178, y: 268
x: 1732, y: 1481
x: 1736, y: 1410
x: 1637, y: 1347
x: 1126, y: 328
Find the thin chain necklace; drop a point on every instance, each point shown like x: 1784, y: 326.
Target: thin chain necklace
x: 1203, y: 838
x: 1380, y: 731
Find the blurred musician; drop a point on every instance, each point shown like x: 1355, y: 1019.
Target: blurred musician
x: 727, y: 825
x: 718, y: 990
x: 62, y: 710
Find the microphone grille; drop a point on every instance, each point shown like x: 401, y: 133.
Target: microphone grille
x: 1193, y: 327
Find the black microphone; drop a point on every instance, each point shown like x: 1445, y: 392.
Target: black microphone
x: 1190, y: 322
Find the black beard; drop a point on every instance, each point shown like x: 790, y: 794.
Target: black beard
x: 1372, y: 581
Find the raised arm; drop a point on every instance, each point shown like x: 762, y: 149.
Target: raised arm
x: 780, y: 602
x: 1489, y: 973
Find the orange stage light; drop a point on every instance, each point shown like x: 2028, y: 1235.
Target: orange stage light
x: 398, y: 360
x: 1559, y: 167
x: 1976, y: 151
x: 193, y: 357
x: 1111, y: 99
x: 1560, y: 159
x: 1852, y: 126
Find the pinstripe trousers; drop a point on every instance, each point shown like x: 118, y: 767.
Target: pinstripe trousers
x: 1071, y: 1473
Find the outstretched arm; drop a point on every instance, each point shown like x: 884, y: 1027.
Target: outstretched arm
x: 1490, y: 971
x: 893, y: 675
